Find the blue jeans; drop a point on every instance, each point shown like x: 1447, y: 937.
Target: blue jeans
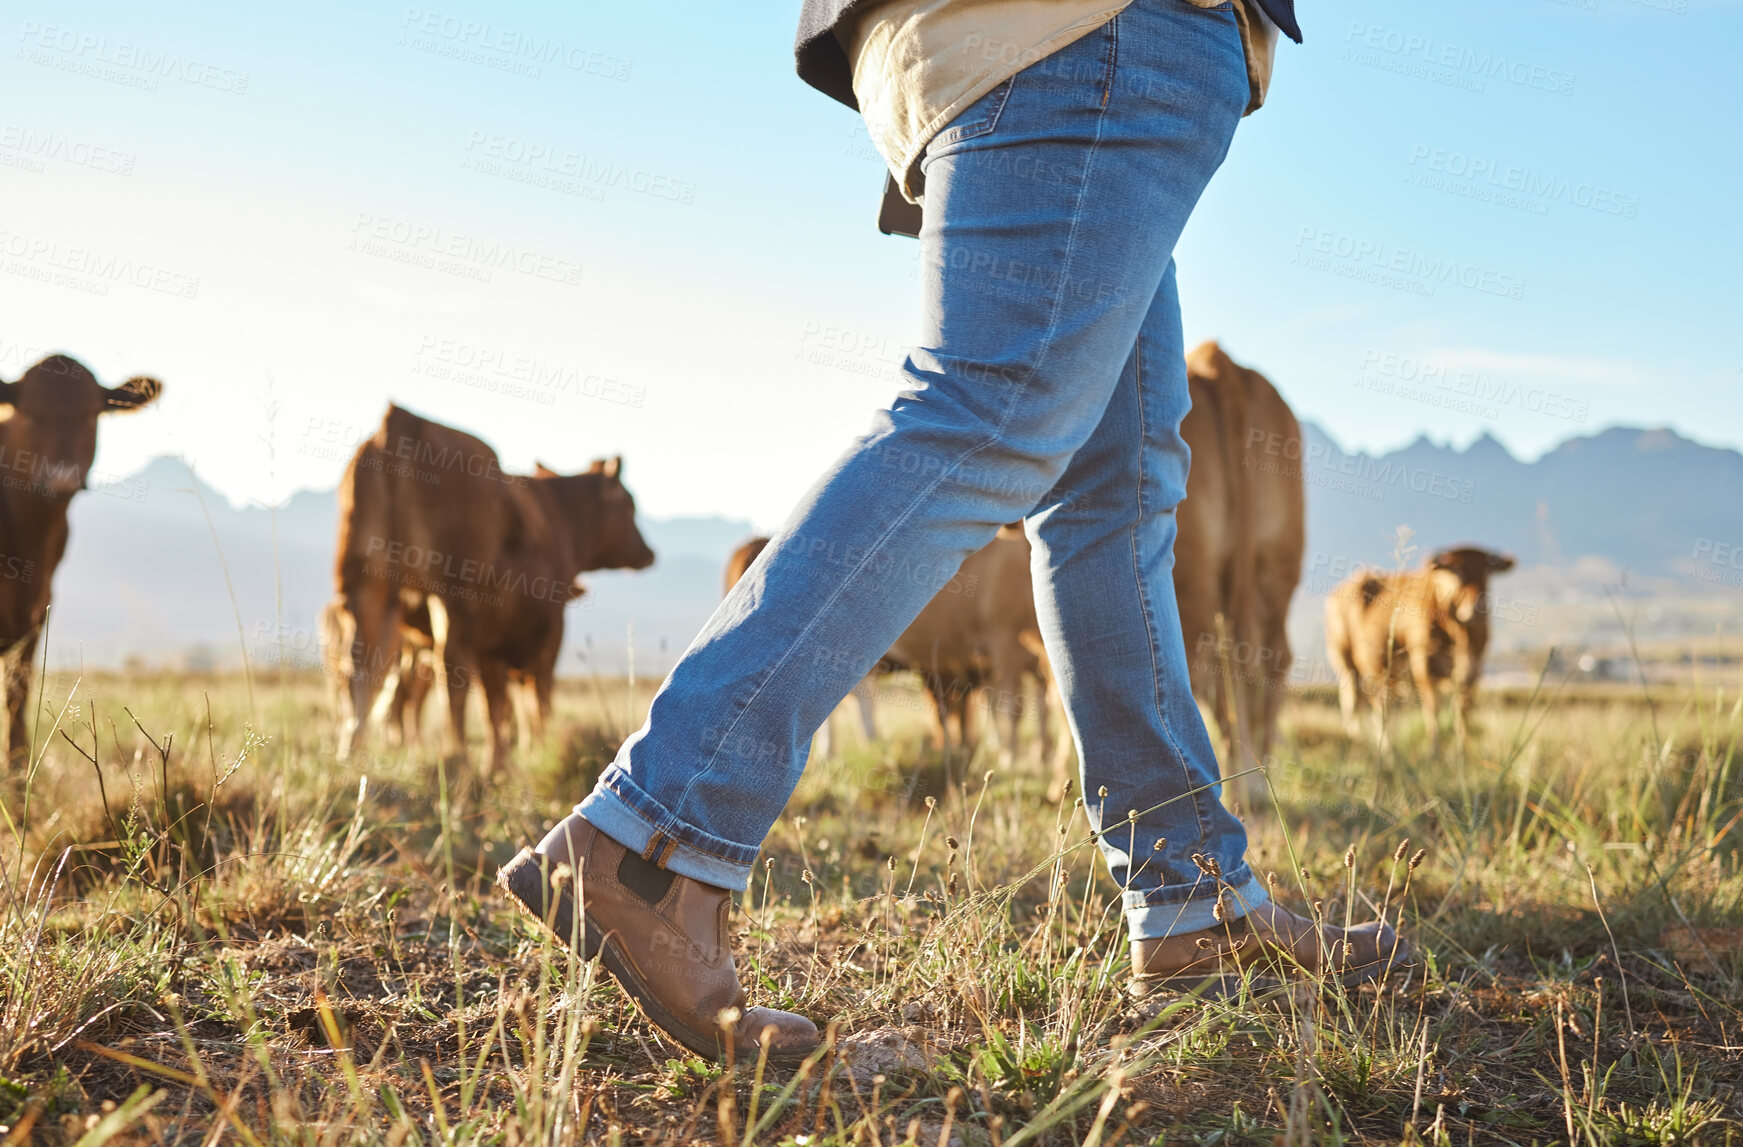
x: 1049, y: 385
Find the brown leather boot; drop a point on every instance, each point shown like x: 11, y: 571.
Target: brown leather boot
x: 661, y: 935
x: 1211, y: 962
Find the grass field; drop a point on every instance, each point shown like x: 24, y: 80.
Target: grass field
x: 212, y: 932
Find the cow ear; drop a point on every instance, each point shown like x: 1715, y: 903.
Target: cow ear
x: 132, y: 394
x: 1441, y: 561
x: 1500, y: 563
x: 614, y: 468
x: 540, y: 470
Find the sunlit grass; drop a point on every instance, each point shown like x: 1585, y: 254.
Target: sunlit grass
x: 232, y: 935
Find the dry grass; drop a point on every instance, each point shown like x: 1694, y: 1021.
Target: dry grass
x: 232, y: 938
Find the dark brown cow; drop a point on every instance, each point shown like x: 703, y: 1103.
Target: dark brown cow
x: 531, y: 681
x: 1432, y: 623
x: 1237, y: 558
x: 47, y: 441
x: 428, y: 518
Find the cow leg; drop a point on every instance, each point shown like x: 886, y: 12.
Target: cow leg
x: 523, y: 708
x: 935, y: 688
x: 1465, y: 686
x: 542, y: 684
x: 1423, y: 677
x: 1347, y: 700
x: 393, y: 702
x: 865, y: 697
x: 415, y: 688
x: 372, y: 623
x: 1007, y: 697
x: 455, y: 667
x: 499, y: 711
x: 17, y: 665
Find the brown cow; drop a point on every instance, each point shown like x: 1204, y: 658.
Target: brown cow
x: 1438, y: 621
x: 979, y: 632
x: 428, y: 518
x: 740, y: 562
x: 864, y: 693
x: 1237, y: 558
x: 48, y: 438
x: 531, y: 681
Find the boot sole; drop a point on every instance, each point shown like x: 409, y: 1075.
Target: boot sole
x: 523, y: 878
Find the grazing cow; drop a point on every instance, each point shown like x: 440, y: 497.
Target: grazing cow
x: 531, y: 680
x: 1433, y: 622
x: 864, y: 694
x: 978, y: 632
x: 1237, y: 557
x: 48, y: 438
x: 429, y: 519
x: 981, y: 631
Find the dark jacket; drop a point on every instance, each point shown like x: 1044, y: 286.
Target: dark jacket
x: 818, y: 54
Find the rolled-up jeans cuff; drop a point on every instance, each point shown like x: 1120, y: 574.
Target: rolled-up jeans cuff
x: 1194, y: 914
x: 622, y: 811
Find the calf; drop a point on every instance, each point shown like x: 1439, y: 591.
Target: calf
x: 1433, y: 622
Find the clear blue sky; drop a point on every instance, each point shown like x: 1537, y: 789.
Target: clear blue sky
x: 336, y: 187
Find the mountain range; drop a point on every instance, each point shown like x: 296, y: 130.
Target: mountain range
x: 162, y: 570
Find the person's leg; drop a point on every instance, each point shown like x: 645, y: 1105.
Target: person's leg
x: 1053, y: 207
x: 1104, y: 589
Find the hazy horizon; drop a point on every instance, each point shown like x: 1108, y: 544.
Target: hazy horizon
x: 658, y: 243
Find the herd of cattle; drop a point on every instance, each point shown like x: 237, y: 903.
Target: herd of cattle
x: 451, y: 571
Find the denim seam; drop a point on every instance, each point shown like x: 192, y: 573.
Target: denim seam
x: 1144, y: 604
x: 1107, y: 88
x: 1046, y: 344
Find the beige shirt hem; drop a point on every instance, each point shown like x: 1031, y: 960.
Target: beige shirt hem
x: 919, y: 64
